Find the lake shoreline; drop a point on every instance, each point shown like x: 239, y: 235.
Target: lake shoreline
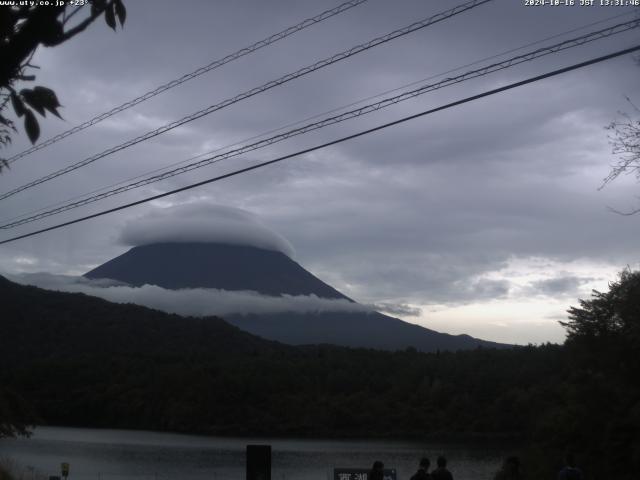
x: 107, y: 454
x: 454, y: 438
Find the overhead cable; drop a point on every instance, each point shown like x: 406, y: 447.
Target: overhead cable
x: 190, y: 76
x: 526, y: 57
x: 250, y: 93
x: 317, y: 115
x: 333, y: 142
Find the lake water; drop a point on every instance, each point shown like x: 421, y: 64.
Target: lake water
x: 134, y: 455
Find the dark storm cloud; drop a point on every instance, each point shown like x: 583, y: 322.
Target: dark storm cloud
x: 566, y: 285
x: 425, y: 212
x: 419, y: 278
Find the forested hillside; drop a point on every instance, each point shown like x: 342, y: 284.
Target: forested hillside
x: 82, y: 361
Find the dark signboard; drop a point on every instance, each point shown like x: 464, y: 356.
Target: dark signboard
x: 258, y: 462
x: 360, y: 473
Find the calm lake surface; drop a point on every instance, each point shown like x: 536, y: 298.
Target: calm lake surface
x: 134, y: 455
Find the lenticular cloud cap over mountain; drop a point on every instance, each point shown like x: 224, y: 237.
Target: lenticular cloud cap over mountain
x: 199, y: 223
x: 203, y: 259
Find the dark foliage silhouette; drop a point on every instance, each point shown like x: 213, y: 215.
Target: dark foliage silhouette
x: 23, y: 28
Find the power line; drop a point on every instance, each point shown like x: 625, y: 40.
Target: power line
x: 267, y: 86
x: 318, y: 115
x: 333, y: 142
x: 526, y: 57
x: 190, y: 76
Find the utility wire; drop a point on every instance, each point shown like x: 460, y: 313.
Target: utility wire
x: 541, y: 52
x: 190, y: 76
x: 333, y: 142
x: 313, y: 117
x: 249, y: 93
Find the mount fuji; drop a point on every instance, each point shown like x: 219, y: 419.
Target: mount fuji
x: 185, y: 265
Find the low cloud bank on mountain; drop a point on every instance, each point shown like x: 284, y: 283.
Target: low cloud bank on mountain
x: 194, y: 302
x: 398, y: 309
x: 204, y: 223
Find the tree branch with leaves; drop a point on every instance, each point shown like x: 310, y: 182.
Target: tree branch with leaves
x: 22, y: 30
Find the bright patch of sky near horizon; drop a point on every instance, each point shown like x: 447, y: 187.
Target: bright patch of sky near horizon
x: 486, y: 217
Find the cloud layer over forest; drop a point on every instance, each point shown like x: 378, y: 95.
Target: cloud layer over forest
x: 194, y: 302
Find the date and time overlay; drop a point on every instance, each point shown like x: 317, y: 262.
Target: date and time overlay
x: 581, y: 3
x: 526, y: 3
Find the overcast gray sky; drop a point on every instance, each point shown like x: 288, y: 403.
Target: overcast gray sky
x: 486, y: 217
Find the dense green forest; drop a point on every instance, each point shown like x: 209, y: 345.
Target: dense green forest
x: 77, y: 360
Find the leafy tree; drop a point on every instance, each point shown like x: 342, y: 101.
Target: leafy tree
x: 604, y: 332
x: 23, y: 28
x: 615, y: 313
x: 602, y: 395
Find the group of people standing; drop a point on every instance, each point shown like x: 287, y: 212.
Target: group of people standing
x: 510, y: 470
x: 439, y: 473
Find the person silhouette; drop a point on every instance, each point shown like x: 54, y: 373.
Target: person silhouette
x: 510, y: 470
x: 423, y: 471
x: 377, y: 471
x: 441, y: 473
x: 570, y: 471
